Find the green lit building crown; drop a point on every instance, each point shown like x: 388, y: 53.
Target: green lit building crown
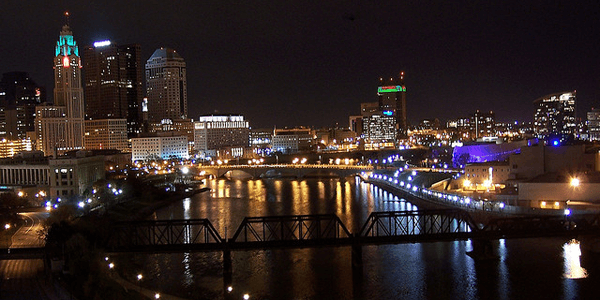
x: 66, y: 45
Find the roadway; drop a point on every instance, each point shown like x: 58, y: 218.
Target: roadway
x: 25, y: 278
x: 28, y: 236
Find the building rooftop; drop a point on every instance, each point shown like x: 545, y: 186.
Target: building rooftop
x: 167, y: 53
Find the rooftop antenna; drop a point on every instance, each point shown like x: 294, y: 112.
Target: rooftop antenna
x: 67, y: 21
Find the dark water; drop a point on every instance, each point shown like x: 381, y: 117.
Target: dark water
x: 526, y: 268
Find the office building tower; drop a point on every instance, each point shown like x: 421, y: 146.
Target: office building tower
x: 555, y: 116
x: 224, y: 136
x: 392, y: 101
x: 483, y: 124
x: 104, y: 134
x: 593, y: 124
x: 166, y: 86
x: 18, y: 97
x: 113, y: 83
x: 59, y: 128
x: 379, y: 131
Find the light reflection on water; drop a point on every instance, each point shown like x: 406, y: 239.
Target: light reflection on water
x: 572, y: 258
x: 526, y: 269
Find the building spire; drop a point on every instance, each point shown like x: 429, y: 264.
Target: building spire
x: 67, y: 20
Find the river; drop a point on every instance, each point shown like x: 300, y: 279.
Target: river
x: 541, y: 268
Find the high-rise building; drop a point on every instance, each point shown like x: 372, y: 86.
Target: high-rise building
x: 59, y: 128
x: 18, y: 97
x: 166, y: 86
x: 483, y: 123
x: 106, y: 134
x: 113, y: 83
x: 379, y: 131
x: 292, y: 140
x: 555, y: 115
x: 223, y: 136
x: 593, y: 124
x: 392, y: 101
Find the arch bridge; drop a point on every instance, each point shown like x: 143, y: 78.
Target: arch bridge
x: 284, y: 170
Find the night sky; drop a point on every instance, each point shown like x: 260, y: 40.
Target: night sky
x: 287, y: 63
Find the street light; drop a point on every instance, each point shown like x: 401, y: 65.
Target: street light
x: 8, y: 244
x: 139, y: 278
x: 574, y: 182
x: 157, y: 296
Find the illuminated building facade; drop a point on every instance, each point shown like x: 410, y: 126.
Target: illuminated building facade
x: 113, y: 83
x: 71, y: 176
x: 261, y: 140
x: 483, y: 124
x: 59, y: 128
x: 9, y: 148
x: 159, y: 147
x: 166, y: 85
x: 37, y: 175
x: 492, y: 172
x: 106, y: 134
x: 18, y: 97
x: 555, y: 116
x: 379, y: 131
x: 27, y: 172
x: 183, y: 127
x: 292, y: 140
x: 224, y: 136
x: 593, y: 124
x: 392, y: 98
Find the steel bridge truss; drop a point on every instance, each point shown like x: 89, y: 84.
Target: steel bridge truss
x: 328, y: 230
x: 290, y: 231
x: 406, y: 226
x: 164, y: 235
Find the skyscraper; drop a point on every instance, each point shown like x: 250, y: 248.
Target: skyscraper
x: 113, y: 83
x: 166, y: 85
x: 593, y: 123
x: 60, y: 127
x: 18, y: 97
x: 555, y: 115
x: 392, y: 101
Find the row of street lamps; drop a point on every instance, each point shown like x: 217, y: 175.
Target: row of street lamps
x: 139, y: 276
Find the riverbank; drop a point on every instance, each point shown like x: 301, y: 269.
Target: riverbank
x: 417, y: 187
x: 75, y: 242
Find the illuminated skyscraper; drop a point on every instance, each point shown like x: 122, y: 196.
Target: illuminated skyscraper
x: 483, y: 123
x: 392, y: 101
x: 18, y: 97
x: 555, y: 115
x: 60, y: 127
x: 166, y: 86
x: 113, y: 83
x: 221, y: 135
x: 593, y: 123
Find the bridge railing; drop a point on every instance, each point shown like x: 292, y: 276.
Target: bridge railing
x: 164, y: 233
x: 301, y: 228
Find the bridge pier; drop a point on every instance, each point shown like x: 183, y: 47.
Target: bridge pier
x: 227, y: 270
x: 483, y: 249
x: 357, y: 260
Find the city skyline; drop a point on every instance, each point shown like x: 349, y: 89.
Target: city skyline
x: 285, y: 65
